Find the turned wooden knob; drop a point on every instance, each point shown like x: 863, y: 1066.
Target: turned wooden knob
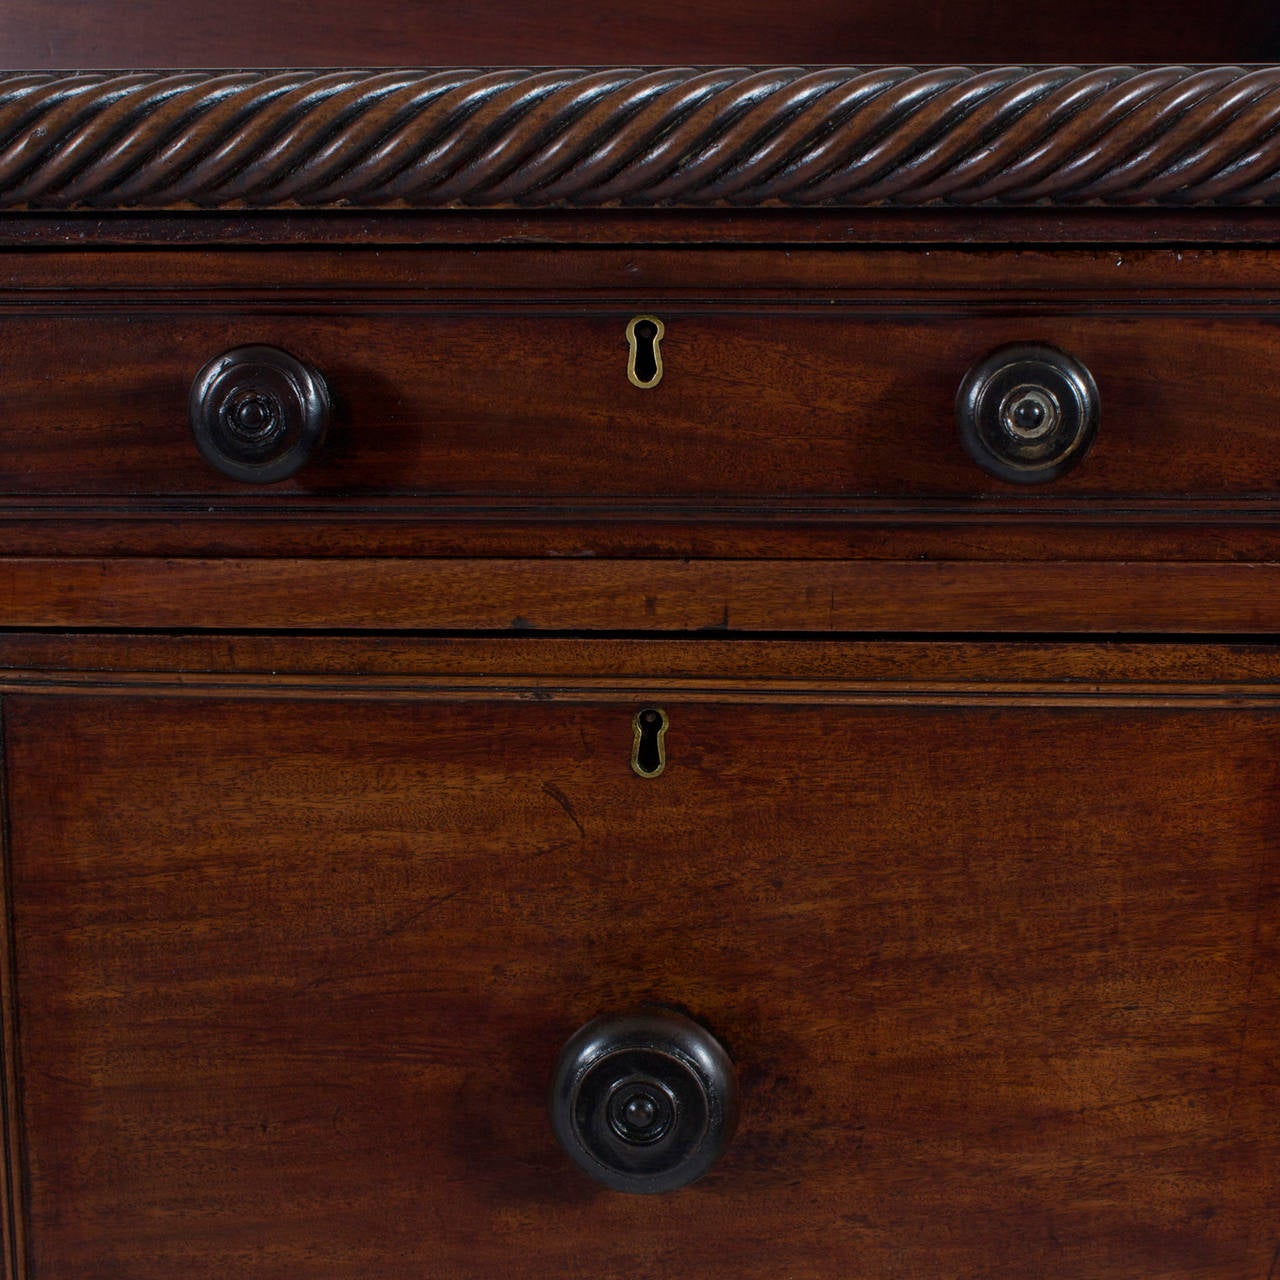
x: 645, y: 1101
x: 1027, y: 413
x: 258, y: 413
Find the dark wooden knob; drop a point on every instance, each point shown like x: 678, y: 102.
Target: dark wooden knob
x: 1027, y: 413
x: 258, y: 413
x: 644, y: 1101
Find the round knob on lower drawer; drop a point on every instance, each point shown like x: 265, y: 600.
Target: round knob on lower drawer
x: 258, y: 413
x: 1027, y: 413
x: 644, y: 1101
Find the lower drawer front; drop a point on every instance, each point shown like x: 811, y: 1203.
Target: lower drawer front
x: 999, y: 980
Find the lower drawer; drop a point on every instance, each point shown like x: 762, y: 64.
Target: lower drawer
x: 997, y: 970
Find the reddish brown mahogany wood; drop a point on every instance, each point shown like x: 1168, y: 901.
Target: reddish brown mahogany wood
x: 298, y: 1018
x: 927, y: 668
x: 320, y: 830
x: 754, y: 403
x: 1209, y: 533
x: 13, y: 1250
x: 324, y: 33
x: 311, y: 278
x: 483, y: 408
x: 1089, y: 225
x: 586, y: 595
x: 1245, y: 532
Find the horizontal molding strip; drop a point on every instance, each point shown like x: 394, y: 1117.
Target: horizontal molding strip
x: 783, y: 672
x: 574, y: 509
x: 641, y: 137
x: 1204, y: 666
x: 374, y: 689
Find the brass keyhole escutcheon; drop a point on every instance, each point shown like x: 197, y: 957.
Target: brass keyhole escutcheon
x: 644, y: 351
x: 649, y: 747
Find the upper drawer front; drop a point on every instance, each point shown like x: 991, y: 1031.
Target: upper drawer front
x: 776, y: 405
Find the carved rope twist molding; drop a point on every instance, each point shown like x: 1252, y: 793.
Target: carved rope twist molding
x: 673, y: 137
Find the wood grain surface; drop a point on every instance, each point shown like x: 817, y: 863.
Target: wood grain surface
x: 999, y: 981
x: 319, y: 826
x: 754, y: 404
x: 716, y: 597
x: 926, y: 667
x: 326, y: 33
x: 483, y: 409
x: 1245, y: 226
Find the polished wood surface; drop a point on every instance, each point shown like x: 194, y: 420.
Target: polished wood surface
x: 1090, y: 225
x: 779, y: 406
x: 931, y: 667
x: 588, y: 595
x: 324, y: 820
x: 299, y: 1017
x: 482, y: 406
x: 324, y: 33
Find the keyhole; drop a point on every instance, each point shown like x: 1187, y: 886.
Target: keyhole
x: 644, y: 359
x: 649, y: 750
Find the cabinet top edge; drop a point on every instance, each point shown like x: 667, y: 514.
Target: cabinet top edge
x: 970, y: 143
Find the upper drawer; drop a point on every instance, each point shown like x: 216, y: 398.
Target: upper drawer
x: 480, y: 403
x: 787, y: 376
x: 755, y: 401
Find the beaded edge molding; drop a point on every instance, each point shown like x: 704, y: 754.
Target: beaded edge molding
x: 626, y: 137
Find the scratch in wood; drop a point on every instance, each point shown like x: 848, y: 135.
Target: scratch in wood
x: 563, y: 801
x: 405, y: 922
x: 398, y: 926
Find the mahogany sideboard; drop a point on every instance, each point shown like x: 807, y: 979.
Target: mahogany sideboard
x: 648, y: 652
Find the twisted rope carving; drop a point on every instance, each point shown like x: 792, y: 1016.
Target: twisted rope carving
x: 676, y: 137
